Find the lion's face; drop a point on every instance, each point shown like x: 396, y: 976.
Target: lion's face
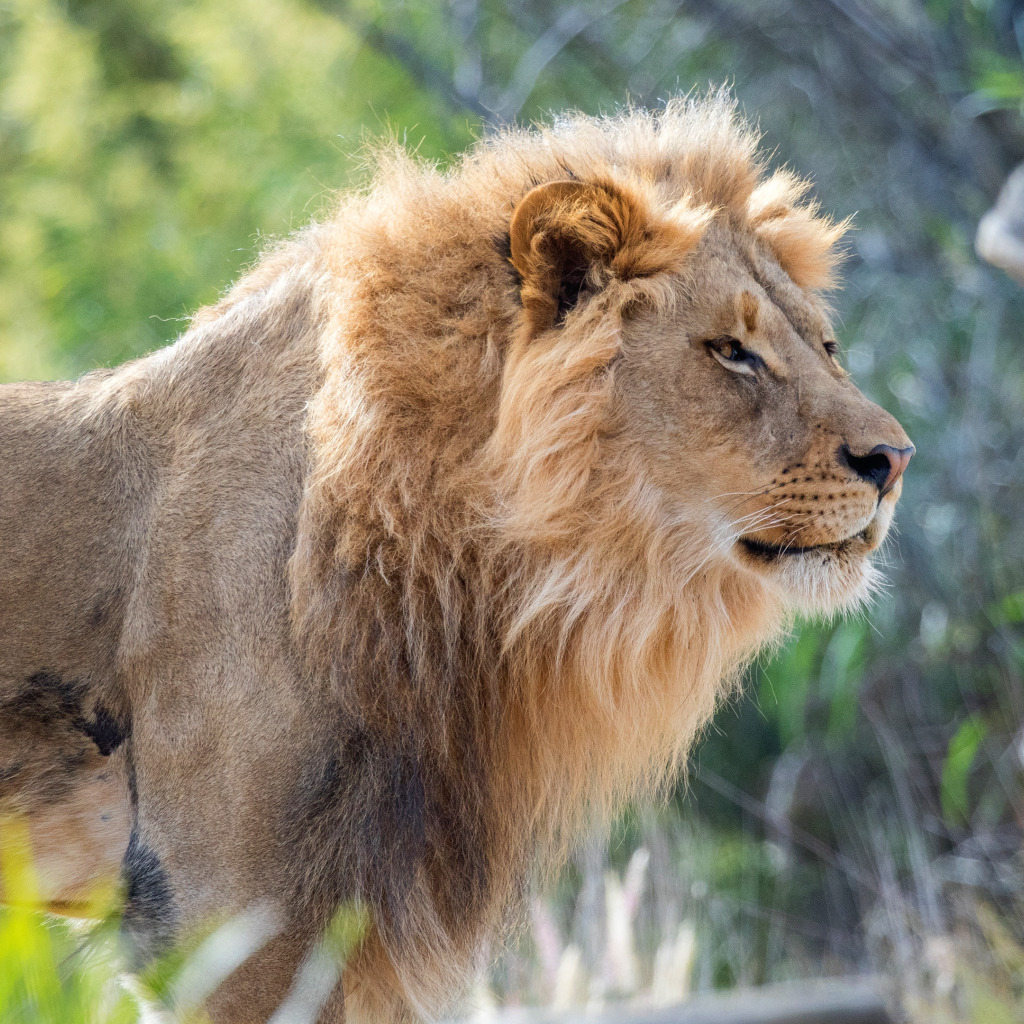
x: 734, y: 434
x: 743, y: 417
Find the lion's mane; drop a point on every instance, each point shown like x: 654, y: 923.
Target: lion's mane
x: 510, y: 634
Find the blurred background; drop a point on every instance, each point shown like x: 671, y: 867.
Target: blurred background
x: 860, y: 808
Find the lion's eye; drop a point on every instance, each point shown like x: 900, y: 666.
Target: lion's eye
x: 832, y: 348
x: 731, y: 354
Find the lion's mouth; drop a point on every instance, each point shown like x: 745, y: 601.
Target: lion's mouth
x: 822, y: 576
x: 767, y: 552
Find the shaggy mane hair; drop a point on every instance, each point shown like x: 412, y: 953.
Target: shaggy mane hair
x: 512, y: 633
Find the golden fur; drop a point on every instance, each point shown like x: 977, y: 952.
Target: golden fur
x: 442, y: 531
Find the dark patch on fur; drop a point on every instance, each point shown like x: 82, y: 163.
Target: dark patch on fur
x: 376, y: 815
x: 42, y: 747
x: 149, y: 916
x: 47, y: 702
x: 458, y: 843
x: 131, y: 777
x: 106, y: 731
x: 46, y: 698
x: 360, y: 817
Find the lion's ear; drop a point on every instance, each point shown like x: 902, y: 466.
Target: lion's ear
x: 569, y: 237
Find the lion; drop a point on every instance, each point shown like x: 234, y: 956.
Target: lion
x: 441, y: 534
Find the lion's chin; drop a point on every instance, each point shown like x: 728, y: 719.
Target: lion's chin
x: 825, y: 578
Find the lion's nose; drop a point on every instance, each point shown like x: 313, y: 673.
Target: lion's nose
x: 882, y: 466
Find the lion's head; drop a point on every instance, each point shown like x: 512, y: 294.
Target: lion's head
x: 725, y: 404
x: 724, y: 412
x: 798, y: 473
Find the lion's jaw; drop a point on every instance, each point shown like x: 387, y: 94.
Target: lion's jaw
x: 823, y: 578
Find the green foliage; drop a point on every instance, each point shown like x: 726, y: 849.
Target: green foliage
x: 60, y: 972
x: 50, y: 974
x: 147, y: 146
x: 999, y: 82
x: 1010, y: 610
x: 47, y: 979
x: 963, y: 748
x: 794, y: 669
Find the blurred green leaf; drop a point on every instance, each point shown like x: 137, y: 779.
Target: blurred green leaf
x: 957, y: 767
x: 841, y: 671
x: 1009, y: 609
x: 786, y: 681
x: 999, y: 80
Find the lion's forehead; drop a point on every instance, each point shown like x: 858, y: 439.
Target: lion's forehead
x: 739, y: 262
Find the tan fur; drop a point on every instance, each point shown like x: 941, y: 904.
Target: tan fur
x: 433, y: 538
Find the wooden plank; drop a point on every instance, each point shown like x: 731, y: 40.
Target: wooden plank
x: 843, y: 1001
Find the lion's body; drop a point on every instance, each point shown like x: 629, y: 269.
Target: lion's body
x: 379, y: 580
x: 153, y: 512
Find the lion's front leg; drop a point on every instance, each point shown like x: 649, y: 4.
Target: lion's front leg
x: 286, y: 973
x: 278, y: 977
